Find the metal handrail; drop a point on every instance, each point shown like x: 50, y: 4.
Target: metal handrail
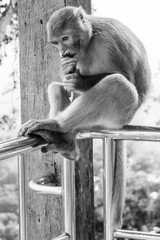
x: 64, y: 236
x: 136, y: 235
x: 22, y: 145
x: 129, y: 132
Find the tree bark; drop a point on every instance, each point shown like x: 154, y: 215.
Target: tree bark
x: 39, y: 66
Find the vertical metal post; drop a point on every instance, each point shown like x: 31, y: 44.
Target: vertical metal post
x: 69, y: 198
x: 22, y: 202
x: 108, y: 167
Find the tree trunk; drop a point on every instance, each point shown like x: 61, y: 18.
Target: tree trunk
x: 39, y: 66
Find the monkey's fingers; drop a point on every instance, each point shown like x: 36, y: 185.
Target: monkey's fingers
x: 25, y: 127
x: 51, y: 137
x: 72, y: 76
x: 69, y: 87
x: 68, y: 65
x: 46, y: 125
x: 46, y: 135
x: 49, y: 147
x: 68, y: 61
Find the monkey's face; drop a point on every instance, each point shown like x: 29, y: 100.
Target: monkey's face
x: 67, y: 44
x: 70, y: 31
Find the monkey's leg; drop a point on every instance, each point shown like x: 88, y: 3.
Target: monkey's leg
x: 63, y: 143
x: 58, y: 98
x: 111, y: 103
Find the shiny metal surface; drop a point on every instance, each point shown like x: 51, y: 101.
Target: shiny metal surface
x: 22, y: 201
x: 64, y: 236
x: 108, y: 168
x: 136, y: 235
x: 45, y: 185
x: 20, y: 145
x: 137, y: 133
x: 68, y: 191
x: 69, y: 198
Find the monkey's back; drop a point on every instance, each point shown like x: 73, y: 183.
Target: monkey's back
x: 126, y: 51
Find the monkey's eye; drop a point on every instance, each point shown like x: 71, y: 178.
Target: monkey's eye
x: 65, y: 38
x: 55, y: 42
x: 81, y: 17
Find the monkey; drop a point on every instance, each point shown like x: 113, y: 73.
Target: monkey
x: 105, y: 66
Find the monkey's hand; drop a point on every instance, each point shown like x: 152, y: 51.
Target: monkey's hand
x: 68, y: 65
x: 74, y: 81
x: 34, y: 125
x: 64, y: 144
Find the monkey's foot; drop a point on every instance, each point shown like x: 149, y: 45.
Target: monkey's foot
x: 63, y: 150
x: 63, y: 143
x: 35, y: 125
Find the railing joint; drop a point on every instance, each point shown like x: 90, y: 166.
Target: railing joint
x: 45, y: 185
x: 64, y: 236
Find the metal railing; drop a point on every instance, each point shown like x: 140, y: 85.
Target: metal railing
x: 21, y: 145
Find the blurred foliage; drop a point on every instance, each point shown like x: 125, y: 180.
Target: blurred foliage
x: 7, y: 123
x: 142, y: 205
x: 9, y: 228
x: 9, y: 50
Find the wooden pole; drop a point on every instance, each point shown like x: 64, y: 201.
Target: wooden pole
x: 39, y: 66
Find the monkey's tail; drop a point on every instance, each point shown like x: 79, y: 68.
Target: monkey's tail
x: 118, y: 184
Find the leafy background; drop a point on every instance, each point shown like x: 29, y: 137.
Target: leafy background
x: 142, y: 208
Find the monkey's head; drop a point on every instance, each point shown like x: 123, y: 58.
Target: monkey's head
x: 70, y: 31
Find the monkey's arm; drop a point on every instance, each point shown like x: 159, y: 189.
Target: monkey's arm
x: 73, y: 80
x: 76, y: 81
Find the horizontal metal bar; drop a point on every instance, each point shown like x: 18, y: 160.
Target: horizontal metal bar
x: 136, y: 235
x: 45, y: 185
x: 21, y: 145
x: 129, y: 132
x: 17, y: 146
x: 64, y: 236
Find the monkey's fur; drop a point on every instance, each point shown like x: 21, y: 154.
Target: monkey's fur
x: 107, y: 65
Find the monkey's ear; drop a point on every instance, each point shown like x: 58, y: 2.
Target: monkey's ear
x: 79, y: 12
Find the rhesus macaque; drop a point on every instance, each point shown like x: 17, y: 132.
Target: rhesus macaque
x: 106, y: 65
